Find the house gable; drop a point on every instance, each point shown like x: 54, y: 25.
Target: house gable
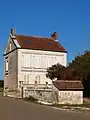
x: 12, y: 43
x: 10, y: 46
x: 32, y: 42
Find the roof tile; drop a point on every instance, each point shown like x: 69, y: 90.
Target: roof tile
x: 67, y: 85
x: 40, y: 43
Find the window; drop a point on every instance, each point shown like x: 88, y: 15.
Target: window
x: 23, y: 60
x: 28, y: 60
x: 37, y: 79
x: 6, y: 64
x: 35, y: 82
x: 27, y: 42
x: 27, y: 79
x: 10, y: 46
x: 50, y: 43
x: 46, y: 85
x: 24, y: 79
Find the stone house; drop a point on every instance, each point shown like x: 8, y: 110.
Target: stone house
x: 68, y: 92
x: 26, y: 59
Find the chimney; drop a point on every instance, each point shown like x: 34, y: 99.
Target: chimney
x: 54, y: 36
x: 13, y: 32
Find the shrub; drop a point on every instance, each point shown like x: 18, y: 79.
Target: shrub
x: 31, y: 99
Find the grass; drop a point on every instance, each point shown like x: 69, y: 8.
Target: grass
x: 34, y: 100
x: 73, y: 105
x: 85, y: 107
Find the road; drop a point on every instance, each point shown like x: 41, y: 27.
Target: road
x: 11, y: 109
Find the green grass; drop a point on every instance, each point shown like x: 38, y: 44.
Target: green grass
x: 75, y: 107
x: 85, y: 104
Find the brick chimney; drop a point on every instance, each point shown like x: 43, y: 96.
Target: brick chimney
x: 54, y: 36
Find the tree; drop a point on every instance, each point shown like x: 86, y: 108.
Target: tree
x: 81, y: 64
x: 61, y: 73
x: 55, y: 71
x: 1, y: 83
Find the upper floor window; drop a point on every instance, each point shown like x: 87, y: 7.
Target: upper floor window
x: 35, y: 82
x: 27, y: 79
x: 10, y: 46
x: 6, y: 64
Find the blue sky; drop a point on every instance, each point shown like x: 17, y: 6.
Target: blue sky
x: 70, y: 18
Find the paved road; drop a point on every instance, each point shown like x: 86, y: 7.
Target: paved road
x: 11, y: 109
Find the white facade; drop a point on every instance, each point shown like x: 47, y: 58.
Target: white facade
x: 32, y: 65
x: 27, y: 66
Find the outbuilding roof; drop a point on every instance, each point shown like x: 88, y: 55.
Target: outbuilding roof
x: 68, y: 85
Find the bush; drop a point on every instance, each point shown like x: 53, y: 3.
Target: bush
x: 31, y: 99
x: 1, y: 91
x: 62, y: 73
x: 1, y: 83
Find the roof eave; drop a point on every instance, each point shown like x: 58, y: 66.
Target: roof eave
x: 43, y: 50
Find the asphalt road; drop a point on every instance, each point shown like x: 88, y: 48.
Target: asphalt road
x: 11, y: 109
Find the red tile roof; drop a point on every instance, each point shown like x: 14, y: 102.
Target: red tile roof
x: 68, y: 85
x: 39, y: 43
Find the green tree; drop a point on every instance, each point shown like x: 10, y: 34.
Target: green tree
x: 81, y: 64
x: 1, y: 83
x: 61, y: 73
x: 55, y: 71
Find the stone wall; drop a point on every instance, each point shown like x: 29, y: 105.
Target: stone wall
x: 12, y: 70
x: 70, y: 97
x: 10, y: 80
x: 44, y: 95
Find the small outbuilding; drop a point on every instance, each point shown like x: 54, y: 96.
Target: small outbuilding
x: 68, y: 92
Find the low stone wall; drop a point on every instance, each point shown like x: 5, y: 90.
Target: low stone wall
x: 42, y: 95
x: 70, y: 97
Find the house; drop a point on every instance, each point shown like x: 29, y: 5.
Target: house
x: 26, y: 59
x: 68, y: 92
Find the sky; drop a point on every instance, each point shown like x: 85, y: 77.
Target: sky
x: 70, y: 18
